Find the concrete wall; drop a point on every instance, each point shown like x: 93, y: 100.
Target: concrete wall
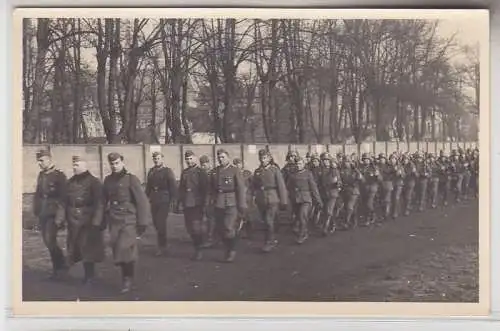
x: 138, y: 157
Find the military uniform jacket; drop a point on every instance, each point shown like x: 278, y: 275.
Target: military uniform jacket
x: 193, y: 187
x: 423, y: 169
x: 161, y: 186
x: 50, y: 193
x: 329, y: 182
x: 371, y: 174
x: 351, y: 178
x: 268, y: 186
x: 410, y: 170
x: 287, y: 170
x: 316, y: 171
x: 228, y: 187
x: 124, y: 200
x: 393, y: 173
x: 247, y: 179
x: 83, y: 202
x: 302, y: 187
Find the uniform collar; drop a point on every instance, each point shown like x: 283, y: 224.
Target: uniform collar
x: 50, y: 169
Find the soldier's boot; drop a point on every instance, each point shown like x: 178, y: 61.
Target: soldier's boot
x: 302, y: 238
x: 269, y: 245
x: 434, y: 201
x: 128, y: 276
x: 387, y: 211
x: 348, y: 218
x: 407, y: 208
x: 59, y: 265
x: 326, y: 226
x: 161, y: 251
x: 127, y: 285
x: 198, y: 253
x: 230, y: 256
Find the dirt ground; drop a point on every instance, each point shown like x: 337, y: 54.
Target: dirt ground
x: 429, y: 256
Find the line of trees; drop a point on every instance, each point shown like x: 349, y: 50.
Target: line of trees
x: 294, y: 81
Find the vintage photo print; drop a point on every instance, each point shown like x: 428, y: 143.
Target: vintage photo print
x: 250, y: 162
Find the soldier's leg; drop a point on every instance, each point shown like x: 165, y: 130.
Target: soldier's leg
x: 466, y: 184
x: 370, y: 205
x: 408, y: 196
x: 49, y: 235
x: 230, y: 221
x: 387, y: 197
x: 329, y: 223
x: 422, y: 194
x: 211, y: 232
x: 160, y: 216
x: 458, y: 188
x: 304, y: 209
x: 434, y: 192
x: 193, y: 218
x: 396, y: 200
x: 269, y: 216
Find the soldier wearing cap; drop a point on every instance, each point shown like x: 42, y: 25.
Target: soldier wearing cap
x: 329, y: 184
x: 270, y: 194
x: 84, y: 215
x: 289, y: 167
x: 370, y: 186
x: 193, y: 195
x: 161, y: 189
x: 247, y: 178
x: 303, y: 193
x: 229, y: 200
x: 127, y: 213
x: 410, y: 170
x: 210, y: 235
x: 48, y: 208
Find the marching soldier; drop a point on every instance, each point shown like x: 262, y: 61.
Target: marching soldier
x: 229, y: 199
x: 474, y: 166
x: 211, y: 238
x: 351, y: 179
x: 127, y: 213
x: 467, y: 173
x: 370, y: 184
x: 286, y: 171
x: 388, y: 173
x: 247, y: 179
x: 329, y: 184
x: 456, y: 171
x: 84, y: 216
x: 270, y: 194
x: 434, y: 180
x: 315, y: 167
x: 398, y: 183
x: 423, y: 172
x: 303, y: 192
x: 161, y: 189
x: 443, y: 168
x: 48, y: 208
x: 410, y: 170
x: 193, y: 195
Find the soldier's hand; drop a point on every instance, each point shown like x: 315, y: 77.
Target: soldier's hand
x: 61, y: 225
x: 141, y: 229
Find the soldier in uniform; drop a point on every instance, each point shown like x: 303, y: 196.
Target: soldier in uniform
x: 127, y: 213
x: 351, y: 179
x: 410, y: 170
x: 423, y: 172
x: 246, y: 222
x: 434, y: 180
x: 84, y: 216
x: 388, y: 173
x: 229, y: 199
x: 443, y: 168
x: 456, y: 170
x: 397, y: 176
x: 329, y: 184
x: 315, y: 167
x: 467, y: 173
x: 286, y: 171
x: 48, y: 208
x: 270, y: 193
x: 193, y: 195
x: 303, y: 192
x: 161, y: 189
x: 370, y: 184
x: 211, y: 238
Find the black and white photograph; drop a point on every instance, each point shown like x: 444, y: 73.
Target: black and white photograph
x: 265, y: 156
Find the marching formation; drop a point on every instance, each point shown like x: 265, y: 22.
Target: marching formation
x: 315, y: 193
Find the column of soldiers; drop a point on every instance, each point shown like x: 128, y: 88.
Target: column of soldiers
x: 316, y: 192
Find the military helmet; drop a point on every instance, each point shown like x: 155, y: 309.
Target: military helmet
x: 325, y: 156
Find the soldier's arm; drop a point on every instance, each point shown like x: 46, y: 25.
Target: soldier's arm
x: 172, y: 184
x: 97, y: 205
x: 314, y: 189
x: 141, y: 200
x: 181, y: 190
x: 282, y: 191
x: 36, y: 198
x: 148, y: 183
x: 240, y: 190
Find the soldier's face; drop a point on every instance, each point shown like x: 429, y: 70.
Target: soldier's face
x: 158, y: 160
x: 79, y: 167
x: 264, y: 160
x: 223, y: 159
x: 239, y: 165
x: 393, y: 161
x: 315, y: 162
x: 326, y: 163
x: 300, y: 164
x: 366, y: 161
x: 382, y: 161
x: 334, y: 165
x: 116, y: 165
x: 190, y: 161
x: 205, y: 165
x: 44, y: 162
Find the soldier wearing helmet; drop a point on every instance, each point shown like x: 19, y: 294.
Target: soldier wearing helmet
x: 329, y: 184
x: 369, y: 187
x: 410, y: 170
x: 424, y: 172
x: 351, y: 179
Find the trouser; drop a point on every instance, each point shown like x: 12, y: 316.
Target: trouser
x: 193, y: 217
x: 444, y: 189
x: 160, y: 213
x: 127, y: 269
x: 226, y: 221
x: 350, y: 201
x: 369, y: 196
x: 329, y: 219
x: 396, y: 199
x: 433, y: 190
x: 456, y: 185
x: 268, y: 215
x: 387, y: 197
x: 210, y: 227
x: 89, y: 270
x: 302, y: 211
x: 408, y: 195
x: 49, y: 231
x: 422, y: 193
x: 466, y: 183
